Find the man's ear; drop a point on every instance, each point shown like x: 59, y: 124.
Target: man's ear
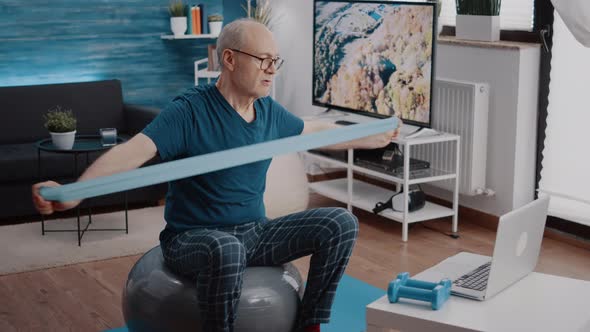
x: 229, y: 61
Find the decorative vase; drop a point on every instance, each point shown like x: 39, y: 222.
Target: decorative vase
x: 178, y: 25
x: 215, y: 27
x: 63, y: 141
x: 478, y: 27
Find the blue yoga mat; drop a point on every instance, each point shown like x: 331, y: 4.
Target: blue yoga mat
x: 348, y: 311
x: 210, y: 162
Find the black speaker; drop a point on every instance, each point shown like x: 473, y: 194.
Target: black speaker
x: 416, y: 201
x: 416, y: 197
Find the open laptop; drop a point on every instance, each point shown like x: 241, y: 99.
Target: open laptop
x: 516, y: 251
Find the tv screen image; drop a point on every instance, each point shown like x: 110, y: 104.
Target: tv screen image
x: 374, y: 58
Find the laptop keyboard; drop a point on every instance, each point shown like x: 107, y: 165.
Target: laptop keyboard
x: 476, y: 279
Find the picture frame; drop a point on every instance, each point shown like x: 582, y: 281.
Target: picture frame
x: 212, y: 59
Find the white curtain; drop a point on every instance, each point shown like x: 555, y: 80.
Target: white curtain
x: 576, y: 15
x: 566, y: 158
x: 514, y: 14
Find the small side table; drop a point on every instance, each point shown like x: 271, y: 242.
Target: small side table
x: 84, y: 144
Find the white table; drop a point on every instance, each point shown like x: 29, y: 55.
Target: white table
x: 539, y: 302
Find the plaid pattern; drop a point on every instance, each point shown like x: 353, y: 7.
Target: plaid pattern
x: 216, y: 259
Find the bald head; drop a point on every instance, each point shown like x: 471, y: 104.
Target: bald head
x: 240, y: 34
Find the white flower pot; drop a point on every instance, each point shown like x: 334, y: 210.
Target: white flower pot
x: 178, y: 25
x: 63, y: 141
x: 215, y: 28
x: 478, y: 27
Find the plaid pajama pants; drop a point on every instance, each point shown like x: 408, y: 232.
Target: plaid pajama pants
x: 216, y: 258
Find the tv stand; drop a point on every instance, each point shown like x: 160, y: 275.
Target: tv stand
x: 333, y: 110
x: 362, y: 195
x: 331, y: 113
x: 408, y: 129
x: 345, y: 123
x: 421, y: 132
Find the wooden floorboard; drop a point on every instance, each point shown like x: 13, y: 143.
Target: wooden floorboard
x: 87, y: 297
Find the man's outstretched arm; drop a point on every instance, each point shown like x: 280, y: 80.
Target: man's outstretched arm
x: 369, y: 142
x: 124, y: 157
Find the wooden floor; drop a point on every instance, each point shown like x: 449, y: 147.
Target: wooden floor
x: 87, y: 297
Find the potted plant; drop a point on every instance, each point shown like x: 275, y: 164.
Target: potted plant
x: 215, y: 22
x: 61, y: 124
x: 478, y: 19
x: 178, y: 23
x: 262, y: 12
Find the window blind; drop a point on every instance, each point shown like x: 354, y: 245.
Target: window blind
x: 565, y: 174
x: 514, y: 14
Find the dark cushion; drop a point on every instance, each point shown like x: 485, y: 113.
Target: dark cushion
x: 18, y: 162
x: 138, y: 117
x: 96, y: 105
x: 16, y: 201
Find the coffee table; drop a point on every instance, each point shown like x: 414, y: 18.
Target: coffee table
x: 84, y: 144
x: 539, y: 302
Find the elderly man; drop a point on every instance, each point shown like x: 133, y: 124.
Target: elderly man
x: 216, y: 224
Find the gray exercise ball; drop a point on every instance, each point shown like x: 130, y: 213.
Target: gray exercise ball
x: 156, y: 299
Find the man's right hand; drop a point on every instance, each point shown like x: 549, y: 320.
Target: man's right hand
x: 48, y: 207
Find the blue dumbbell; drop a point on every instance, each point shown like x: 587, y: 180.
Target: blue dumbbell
x: 435, y: 293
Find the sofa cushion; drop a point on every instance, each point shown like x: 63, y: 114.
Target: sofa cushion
x: 18, y: 162
x: 95, y: 104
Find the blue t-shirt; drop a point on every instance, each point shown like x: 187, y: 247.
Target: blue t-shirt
x: 201, y: 121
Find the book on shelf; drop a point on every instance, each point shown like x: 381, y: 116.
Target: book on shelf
x: 203, y: 12
x: 196, y: 20
x: 212, y: 59
x: 189, y: 19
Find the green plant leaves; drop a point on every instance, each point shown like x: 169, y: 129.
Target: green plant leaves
x: 58, y: 120
x: 177, y: 8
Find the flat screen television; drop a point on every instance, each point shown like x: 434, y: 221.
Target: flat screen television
x: 375, y: 58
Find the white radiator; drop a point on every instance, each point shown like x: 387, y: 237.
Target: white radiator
x: 460, y: 108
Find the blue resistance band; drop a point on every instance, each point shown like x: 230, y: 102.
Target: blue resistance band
x: 183, y: 168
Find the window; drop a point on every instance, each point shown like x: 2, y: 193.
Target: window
x: 514, y: 14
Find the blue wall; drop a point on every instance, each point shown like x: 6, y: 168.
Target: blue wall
x: 55, y: 41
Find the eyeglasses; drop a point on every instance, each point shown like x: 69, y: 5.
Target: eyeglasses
x: 265, y: 63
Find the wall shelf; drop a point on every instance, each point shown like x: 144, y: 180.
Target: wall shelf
x: 204, y: 72
x: 201, y: 36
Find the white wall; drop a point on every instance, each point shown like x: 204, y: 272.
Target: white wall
x: 294, y: 35
x: 526, y: 131
x: 511, y: 72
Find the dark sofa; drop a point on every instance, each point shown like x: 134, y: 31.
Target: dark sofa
x: 96, y: 105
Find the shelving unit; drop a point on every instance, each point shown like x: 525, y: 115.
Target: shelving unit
x: 204, y: 72
x: 200, y: 72
x: 201, y: 36
x: 365, y: 195
x: 362, y: 195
